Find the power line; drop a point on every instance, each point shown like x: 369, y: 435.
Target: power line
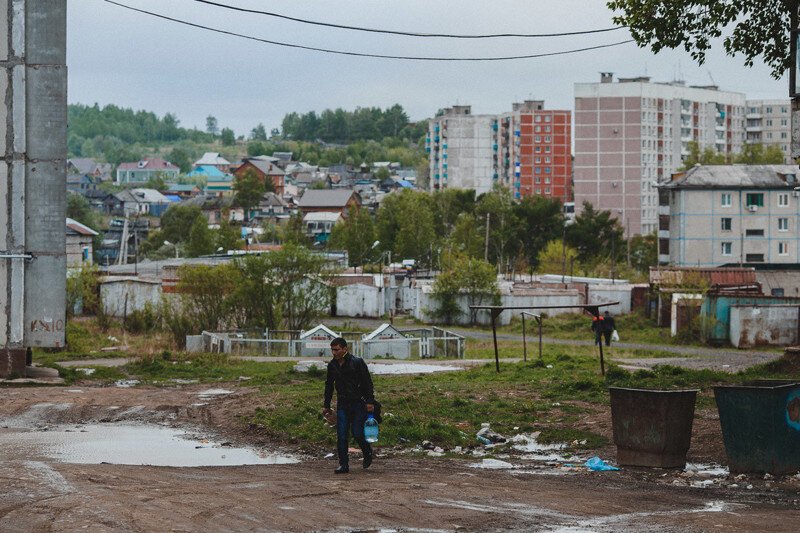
x: 406, y: 33
x: 361, y: 54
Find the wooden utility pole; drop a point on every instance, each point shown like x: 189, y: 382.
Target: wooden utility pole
x: 486, y: 239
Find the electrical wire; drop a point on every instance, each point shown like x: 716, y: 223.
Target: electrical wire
x: 361, y: 54
x: 406, y: 33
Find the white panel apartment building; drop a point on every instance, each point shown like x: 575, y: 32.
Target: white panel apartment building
x: 460, y: 148
x: 633, y: 133
x: 769, y: 122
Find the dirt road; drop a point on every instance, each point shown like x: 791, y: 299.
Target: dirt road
x: 41, y: 491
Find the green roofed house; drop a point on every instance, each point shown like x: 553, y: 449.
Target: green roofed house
x: 218, y: 183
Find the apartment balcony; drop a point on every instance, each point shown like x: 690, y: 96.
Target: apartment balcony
x: 753, y: 116
x: 753, y: 129
x: 663, y: 210
x: 663, y: 234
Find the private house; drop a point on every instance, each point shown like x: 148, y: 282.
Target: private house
x: 79, y: 243
x: 84, y: 174
x: 213, y: 159
x: 320, y: 224
x: 218, y: 183
x: 182, y: 190
x: 729, y: 215
x: 136, y: 202
x: 142, y: 171
x: 266, y: 169
x: 331, y: 200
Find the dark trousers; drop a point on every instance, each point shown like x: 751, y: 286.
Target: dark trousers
x: 607, y: 336
x: 350, y: 416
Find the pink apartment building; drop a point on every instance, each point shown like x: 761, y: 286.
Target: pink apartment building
x: 631, y: 134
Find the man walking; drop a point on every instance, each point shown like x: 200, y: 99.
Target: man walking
x: 608, y: 327
x: 354, y: 399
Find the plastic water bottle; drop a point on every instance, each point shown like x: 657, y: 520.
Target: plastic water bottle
x: 371, y: 428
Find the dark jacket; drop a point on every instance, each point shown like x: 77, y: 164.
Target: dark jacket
x: 608, y: 324
x: 351, y: 380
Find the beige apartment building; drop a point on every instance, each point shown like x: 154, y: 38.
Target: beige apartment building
x: 719, y: 215
x: 632, y: 133
x: 769, y: 122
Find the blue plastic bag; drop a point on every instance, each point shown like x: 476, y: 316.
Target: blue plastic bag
x: 597, y: 464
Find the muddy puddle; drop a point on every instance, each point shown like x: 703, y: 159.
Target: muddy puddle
x: 128, y: 444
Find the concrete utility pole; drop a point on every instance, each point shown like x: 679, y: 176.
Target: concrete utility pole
x: 33, y: 87
x: 794, y: 81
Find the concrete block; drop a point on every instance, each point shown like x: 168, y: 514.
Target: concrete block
x: 45, y: 208
x: 194, y: 343
x: 45, y: 305
x: 4, y: 171
x: 17, y: 28
x: 46, y: 33
x: 17, y: 87
x: 4, y: 79
x: 4, y: 30
x: 46, y: 115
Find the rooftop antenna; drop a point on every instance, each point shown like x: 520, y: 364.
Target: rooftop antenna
x: 711, y: 78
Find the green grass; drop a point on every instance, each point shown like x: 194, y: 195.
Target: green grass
x: 446, y: 409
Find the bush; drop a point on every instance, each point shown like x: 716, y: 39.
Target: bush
x: 144, y: 320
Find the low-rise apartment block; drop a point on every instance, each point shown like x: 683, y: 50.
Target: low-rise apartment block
x: 726, y: 215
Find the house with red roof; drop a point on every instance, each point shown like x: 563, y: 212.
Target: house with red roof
x: 266, y: 170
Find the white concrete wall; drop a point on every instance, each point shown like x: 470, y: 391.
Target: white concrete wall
x: 760, y: 325
x: 360, y: 301
x: 424, y: 310
x: 138, y: 294
x: 601, y: 294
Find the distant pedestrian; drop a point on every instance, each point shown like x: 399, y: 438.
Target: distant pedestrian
x: 597, y: 327
x: 355, y: 398
x: 608, y: 327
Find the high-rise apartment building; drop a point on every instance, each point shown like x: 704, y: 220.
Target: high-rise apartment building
x: 769, y: 122
x: 631, y: 134
x: 527, y: 150
x: 459, y: 145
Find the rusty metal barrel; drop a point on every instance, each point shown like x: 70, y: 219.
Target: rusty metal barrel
x: 652, y: 427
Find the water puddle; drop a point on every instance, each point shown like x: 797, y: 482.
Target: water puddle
x: 385, y: 368
x: 211, y: 393
x: 133, y: 444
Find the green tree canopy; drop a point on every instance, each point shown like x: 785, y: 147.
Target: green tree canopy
x: 754, y: 28
x: 594, y: 234
x: 201, y: 239
x: 248, y: 190
x: 227, y: 137
x: 178, y: 220
x: 356, y: 234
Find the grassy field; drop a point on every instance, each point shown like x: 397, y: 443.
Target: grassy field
x: 551, y: 395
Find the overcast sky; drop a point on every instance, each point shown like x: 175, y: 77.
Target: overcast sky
x: 135, y: 60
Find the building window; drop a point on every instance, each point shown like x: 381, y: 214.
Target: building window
x: 537, y: 129
x: 754, y: 198
x: 783, y: 224
x: 547, y: 149
x: 547, y: 159
x: 783, y: 199
x: 537, y: 170
x: 547, y: 129
x: 537, y: 118
x: 538, y: 180
x: 726, y: 248
x: 547, y: 190
x: 547, y: 138
x: 547, y: 170
x: 537, y: 139
x: 726, y: 224
x: 754, y: 258
x: 783, y: 248
x: 547, y: 118
x: 537, y: 160
x: 546, y: 181
x: 754, y: 233
x: 726, y: 199
x: 777, y: 291
x: 538, y: 149
x: 783, y: 135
